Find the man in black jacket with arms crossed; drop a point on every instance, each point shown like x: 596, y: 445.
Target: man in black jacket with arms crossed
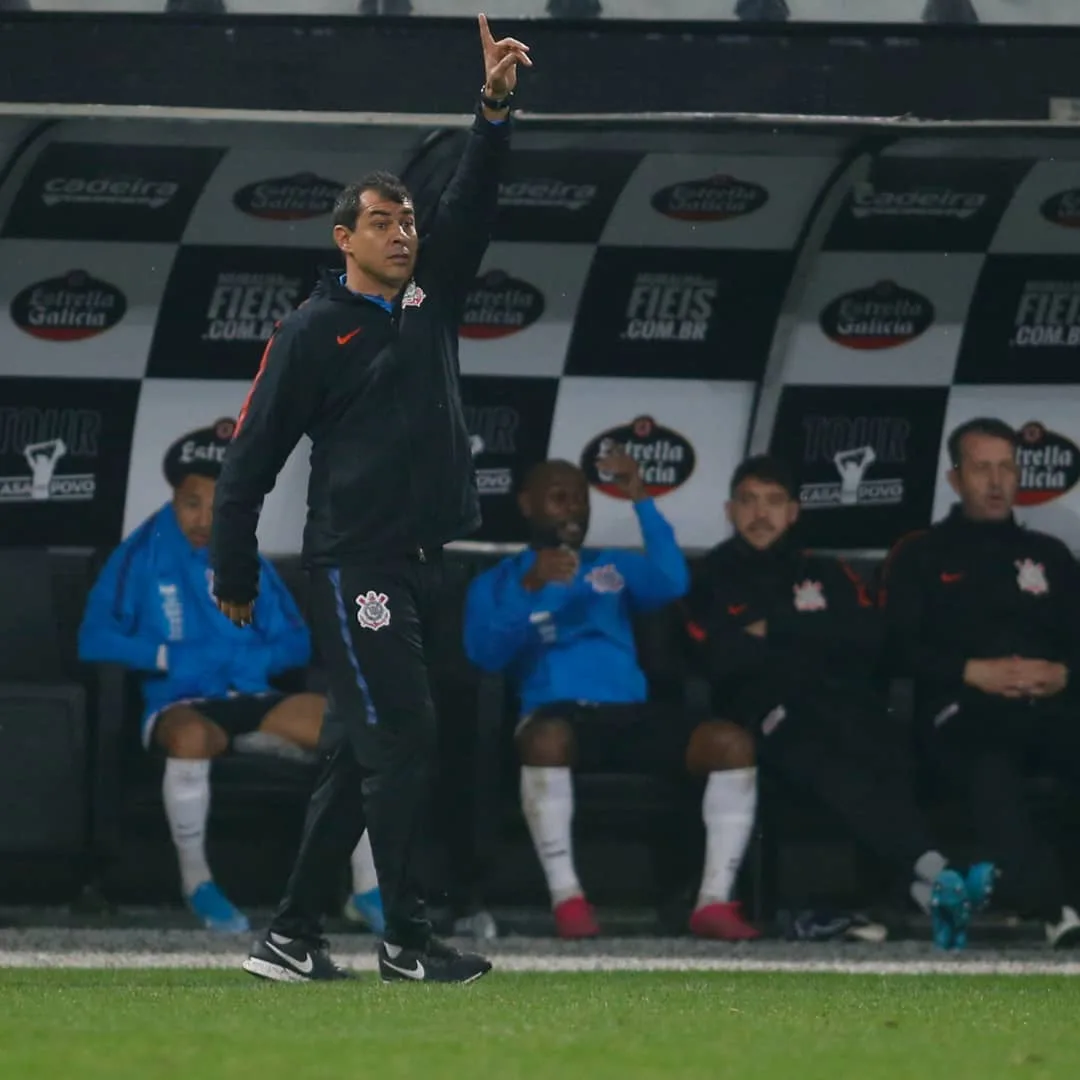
x: 368, y: 368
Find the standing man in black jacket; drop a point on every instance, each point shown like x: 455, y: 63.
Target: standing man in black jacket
x: 985, y: 617
x: 791, y: 644
x: 368, y: 368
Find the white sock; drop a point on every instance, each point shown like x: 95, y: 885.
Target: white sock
x: 364, y: 878
x: 186, y: 793
x: 928, y: 865
x: 728, y: 809
x: 921, y: 893
x: 547, y: 800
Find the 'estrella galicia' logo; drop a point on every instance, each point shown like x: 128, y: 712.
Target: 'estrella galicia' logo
x: 1049, y: 465
x: 499, y: 305
x: 713, y: 198
x: 288, y: 198
x: 69, y: 308
x: 881, y: 317
x: 666, y: 458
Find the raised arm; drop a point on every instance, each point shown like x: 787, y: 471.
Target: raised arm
x: 463, y: 222
x: 661, y: 574
x: 280, y: 407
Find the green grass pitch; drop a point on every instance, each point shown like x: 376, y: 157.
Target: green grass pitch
x: 223, y: 1025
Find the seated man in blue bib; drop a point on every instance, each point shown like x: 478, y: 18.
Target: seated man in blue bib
x: 558, y: 620
x: 206, y: 683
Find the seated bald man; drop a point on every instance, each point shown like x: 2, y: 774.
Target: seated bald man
x: 557, y: 618
x: 206, y: 683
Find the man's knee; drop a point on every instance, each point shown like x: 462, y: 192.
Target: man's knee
x: 184, y: 733
x: 719, y: 745
x: 546, y: 743
x: 298, y: 719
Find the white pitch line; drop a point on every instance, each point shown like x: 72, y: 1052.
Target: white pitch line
x: 552, y: 964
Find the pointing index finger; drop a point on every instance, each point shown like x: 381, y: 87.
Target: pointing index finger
x: 485, y: 32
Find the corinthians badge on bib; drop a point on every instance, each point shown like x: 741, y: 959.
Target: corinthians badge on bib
x: 372, y: 610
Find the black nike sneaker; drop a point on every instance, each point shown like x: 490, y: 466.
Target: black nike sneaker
x: 283, y: 959
x: 435, y: 962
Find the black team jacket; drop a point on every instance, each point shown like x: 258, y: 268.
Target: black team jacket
x: 964, y: 590
x: 378, y: 394
x: 823, y: 638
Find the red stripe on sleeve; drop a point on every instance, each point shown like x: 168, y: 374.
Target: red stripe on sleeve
x: 255, y: 382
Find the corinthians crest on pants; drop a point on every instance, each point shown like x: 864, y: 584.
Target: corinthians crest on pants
x: 372, y: 611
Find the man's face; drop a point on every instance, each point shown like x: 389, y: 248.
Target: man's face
x: 193, y: 502
x: 558, y: 506
x: 761, y: 512
x: 384, y: 242
x: 986, y: 477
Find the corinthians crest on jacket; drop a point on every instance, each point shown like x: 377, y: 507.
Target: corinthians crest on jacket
x: 1031, y: 577
x: 809, y: 596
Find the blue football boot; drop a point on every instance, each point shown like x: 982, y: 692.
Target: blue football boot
x: 950, y: 910
x: 367, y: 908
x: 216, y: 911
x: 981, y: 879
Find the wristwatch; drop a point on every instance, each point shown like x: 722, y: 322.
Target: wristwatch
x: 495, y: 104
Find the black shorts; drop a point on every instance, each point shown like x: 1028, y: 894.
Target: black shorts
x: 649, y: 737
x: 237, y: 715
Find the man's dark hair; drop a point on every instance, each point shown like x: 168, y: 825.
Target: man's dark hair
x: 385, y: 184
x: 981, y: 425
x: 198, y: 453
x: 767, y: 470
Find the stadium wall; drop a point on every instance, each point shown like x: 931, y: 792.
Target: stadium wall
x: 319, y: 62
x: 841, y: 294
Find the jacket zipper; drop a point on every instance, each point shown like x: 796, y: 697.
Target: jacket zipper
x: 397, y: 320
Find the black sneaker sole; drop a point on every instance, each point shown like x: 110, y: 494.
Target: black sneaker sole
x: 393, y: 977
x: 272, y: 972
x: 441, y: 982
x: 264, y: 969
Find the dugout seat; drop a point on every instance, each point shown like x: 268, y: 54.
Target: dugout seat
x: 257, y: 801
x: 44, y: 778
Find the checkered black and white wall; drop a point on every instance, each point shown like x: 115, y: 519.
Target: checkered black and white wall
x: 641, y: 290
